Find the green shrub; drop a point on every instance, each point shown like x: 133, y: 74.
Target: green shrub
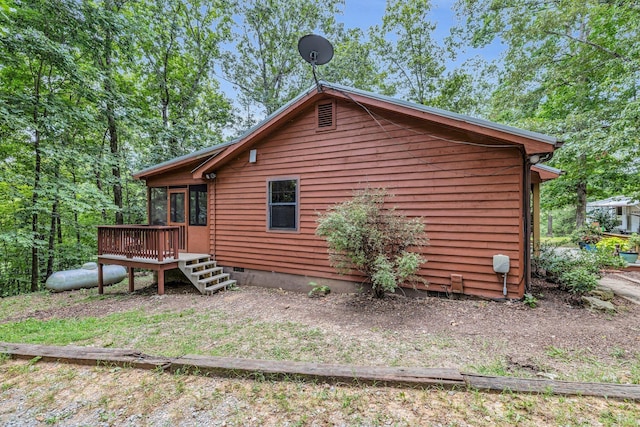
x: 609, y: 243
x: 579, y: 280
x: 633, y: 243
x: 378, y: 242
x: 576, y: 271
x: 607, y: 219
x: 603, y: 260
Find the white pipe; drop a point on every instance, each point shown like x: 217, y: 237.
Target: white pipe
x: 504, y: 289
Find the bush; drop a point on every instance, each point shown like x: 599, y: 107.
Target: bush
x: 633, y: 243
x: 608, y: 244
x: 378, y: 242
x: 607, y: 219
x: 588, y: 234
x: 579, y: 280
x: 575, y: 271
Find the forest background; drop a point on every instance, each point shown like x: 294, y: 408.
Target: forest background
x: 94, y: 90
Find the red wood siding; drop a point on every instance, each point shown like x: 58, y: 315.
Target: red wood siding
x: 181, y: 176
x: 470, y: 196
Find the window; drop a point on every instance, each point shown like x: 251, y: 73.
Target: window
x: 176, y: 205
x: 158, y: 206
x: 283, y: 204
x: 198, y: 205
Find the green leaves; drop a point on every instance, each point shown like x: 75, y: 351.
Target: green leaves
x: 571, y: 69
x: 266, y: 66
x: 365, y: 236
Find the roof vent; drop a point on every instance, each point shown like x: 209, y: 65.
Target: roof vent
x: 326, y: 115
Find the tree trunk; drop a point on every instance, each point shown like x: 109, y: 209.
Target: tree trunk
x: 34, y: 215
x: 98, y: 175
x: 581, y: 195
x: 76, y: 223
x: 581, y: 203
x: 35, y: 256
x: 52, y: 237
x: 111, y: 120
x: 115, y: 169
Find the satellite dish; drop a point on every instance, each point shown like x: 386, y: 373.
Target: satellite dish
x: 315, y: 49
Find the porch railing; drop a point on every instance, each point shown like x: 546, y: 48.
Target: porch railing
x: 154, y: 242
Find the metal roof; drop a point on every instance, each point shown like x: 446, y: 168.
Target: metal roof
x: 448, y: 114
x: 208, y: 151
x: 548, y: 168
x: 613, y: 202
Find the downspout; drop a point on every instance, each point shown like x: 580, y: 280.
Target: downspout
x: 526, y: 175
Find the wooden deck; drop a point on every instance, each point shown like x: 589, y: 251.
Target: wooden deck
x: 141, y: 246
x: 139, y: 241
x: 145, y: 263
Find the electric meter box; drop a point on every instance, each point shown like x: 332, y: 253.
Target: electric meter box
x: 501, y: 264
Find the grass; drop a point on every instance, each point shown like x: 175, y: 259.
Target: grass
x: 68, y: 394
x: 217, y: 333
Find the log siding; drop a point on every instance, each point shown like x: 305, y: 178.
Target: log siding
x: 469, y: 196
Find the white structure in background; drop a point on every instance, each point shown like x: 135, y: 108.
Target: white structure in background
x: 626, y: 209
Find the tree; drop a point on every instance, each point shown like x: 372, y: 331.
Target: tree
x: 415, y: 62
x: 404, y: 44
x: 379, y: 243
x: 110, y: 33
x: 354, y: 64
x: 53, y: 130
x: 571, y: 69
x: 266, y: 66
x: 46, y: 79
x: 180, y: 41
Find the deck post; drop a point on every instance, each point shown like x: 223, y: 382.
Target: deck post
x: 161, y: 281
x: 161, y: 236
x: 131, y: 284
x: 100, y: 279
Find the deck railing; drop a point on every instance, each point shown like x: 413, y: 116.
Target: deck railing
x: 153, y: 242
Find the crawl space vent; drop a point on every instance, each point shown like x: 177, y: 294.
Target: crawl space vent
x: 326, y: 116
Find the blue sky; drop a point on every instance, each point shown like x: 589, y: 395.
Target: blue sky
x: 367, y: 13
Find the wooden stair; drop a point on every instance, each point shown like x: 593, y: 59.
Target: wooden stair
x: 205, y: 275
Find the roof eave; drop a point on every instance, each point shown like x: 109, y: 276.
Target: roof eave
x: 178, y: 162
x: 533, y: 142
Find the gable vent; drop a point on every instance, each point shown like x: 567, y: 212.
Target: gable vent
x: 326, y: 116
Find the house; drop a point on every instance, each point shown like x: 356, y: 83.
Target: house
x: 252, y: 204
x: 626, y: 209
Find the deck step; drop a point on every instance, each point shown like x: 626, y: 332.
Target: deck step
x: 201, y: 273
x: 214, y: 288
x: 198, y: 271
x: 211, y: 279
x: 209, y: 263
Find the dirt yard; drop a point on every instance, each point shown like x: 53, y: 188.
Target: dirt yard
x: 556, y: 337
x: 553, y: 340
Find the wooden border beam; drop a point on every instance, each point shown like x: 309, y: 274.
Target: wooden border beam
x: 376, y: 375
